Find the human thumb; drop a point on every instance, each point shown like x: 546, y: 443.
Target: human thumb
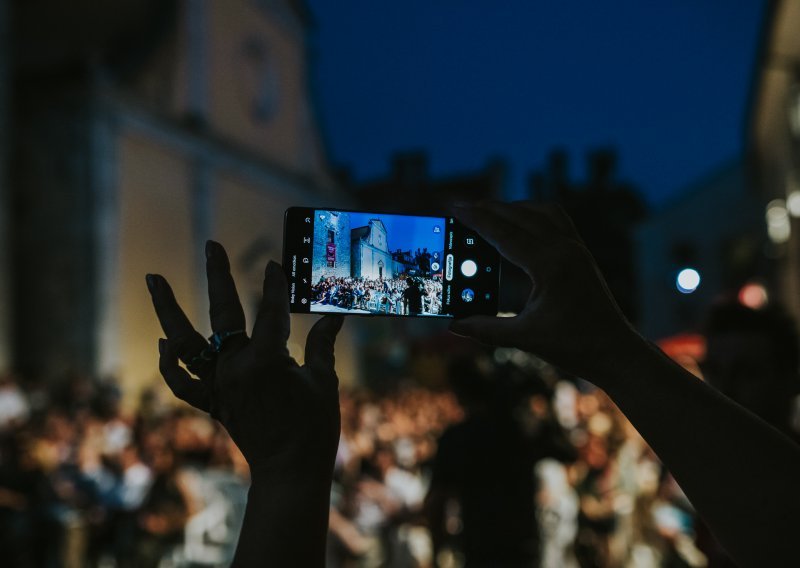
x: 502, y: 332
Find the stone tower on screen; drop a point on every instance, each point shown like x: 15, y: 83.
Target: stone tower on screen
x: 331, y: 245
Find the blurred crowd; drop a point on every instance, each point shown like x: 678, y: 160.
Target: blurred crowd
x: 512, y: 464
x: 598, y: 495
x: 84, y: 484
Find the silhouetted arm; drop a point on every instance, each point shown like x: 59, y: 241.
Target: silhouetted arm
x: 283, y: 417
x: 742, y: 476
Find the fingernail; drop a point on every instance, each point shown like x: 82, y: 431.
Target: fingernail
x: 272, y: 266
x: 210, y: 248
x: 151, y: 282
x: 162, y: 344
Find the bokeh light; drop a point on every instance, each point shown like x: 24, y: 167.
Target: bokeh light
x: 793, y: 203
x: 778, y: 226
x: 687, y: 281
x: 753, y: 295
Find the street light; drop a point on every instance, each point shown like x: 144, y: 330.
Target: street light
x: 687, y: 281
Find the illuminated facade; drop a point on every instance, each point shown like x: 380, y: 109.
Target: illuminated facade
x: 774, y: 144
x: 370, y: 252
x: 210, y: 133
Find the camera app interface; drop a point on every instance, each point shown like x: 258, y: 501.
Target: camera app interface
x: 387, y: 264
x: 377, y: 264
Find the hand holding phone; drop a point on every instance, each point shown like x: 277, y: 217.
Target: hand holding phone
x: 383, y: 264
x: 571, y: 318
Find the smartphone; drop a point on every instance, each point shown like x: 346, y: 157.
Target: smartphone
x: 385, y: 264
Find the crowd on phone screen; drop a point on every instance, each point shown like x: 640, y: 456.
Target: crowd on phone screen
x: 405, y: 295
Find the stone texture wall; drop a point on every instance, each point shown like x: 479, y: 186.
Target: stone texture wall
x: 339, y: 223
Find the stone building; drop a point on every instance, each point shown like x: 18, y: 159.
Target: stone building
x: 371, y: 258
x: 140, y: 132
x: 331, y: 245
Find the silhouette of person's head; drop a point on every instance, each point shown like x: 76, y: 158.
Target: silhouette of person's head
x: 481, y: 384
x: 471, y: 381
x: 752, y: 356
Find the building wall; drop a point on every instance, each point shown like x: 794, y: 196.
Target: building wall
x: 774, y: 145
x: 340, y: 225
x: 371, y: 261
x: 119, y: 181
x: 259, y: 93
x: 155, y: 236
x: 714, y: 227
x: 377, y: 235
x: 373, y: 258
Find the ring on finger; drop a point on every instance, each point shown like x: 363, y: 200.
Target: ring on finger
x: 217, y: 339
x: 207, y: 355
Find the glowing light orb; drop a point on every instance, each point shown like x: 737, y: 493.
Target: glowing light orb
x: 753, y: 296
x: 687, y: 281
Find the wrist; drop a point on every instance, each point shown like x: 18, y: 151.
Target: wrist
x: 624, y: 357
x: 286, y: 520
x: 310, y: 482
x: 292, y: 468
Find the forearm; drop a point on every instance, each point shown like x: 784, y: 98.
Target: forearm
x: 285, y: 524
x: 742, y: 475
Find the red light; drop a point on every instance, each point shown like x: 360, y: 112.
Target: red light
x: 753, y: 296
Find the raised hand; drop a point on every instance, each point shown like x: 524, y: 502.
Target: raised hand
x: 733, y: 466
x: 570, y: 318
x: 273, y: 408
x: 284, y: 417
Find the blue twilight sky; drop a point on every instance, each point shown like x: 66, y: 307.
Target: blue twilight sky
x: 665, y: 83
x: 406, y: 232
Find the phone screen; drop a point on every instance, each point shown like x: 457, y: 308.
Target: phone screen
x: 383, y: 264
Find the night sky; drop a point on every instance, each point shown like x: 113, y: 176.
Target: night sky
x: 665, y: 83
x: 406, y: 232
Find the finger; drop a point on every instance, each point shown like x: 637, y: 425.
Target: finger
x: 511, y: 241
x: 173, y: 320
x: 533, y: 220
x: 320, y: 346
x: 225, y: 308
x: 503, y: 332
x: 556, y: 214
x: 182, y: 385
x: 271, y: 330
